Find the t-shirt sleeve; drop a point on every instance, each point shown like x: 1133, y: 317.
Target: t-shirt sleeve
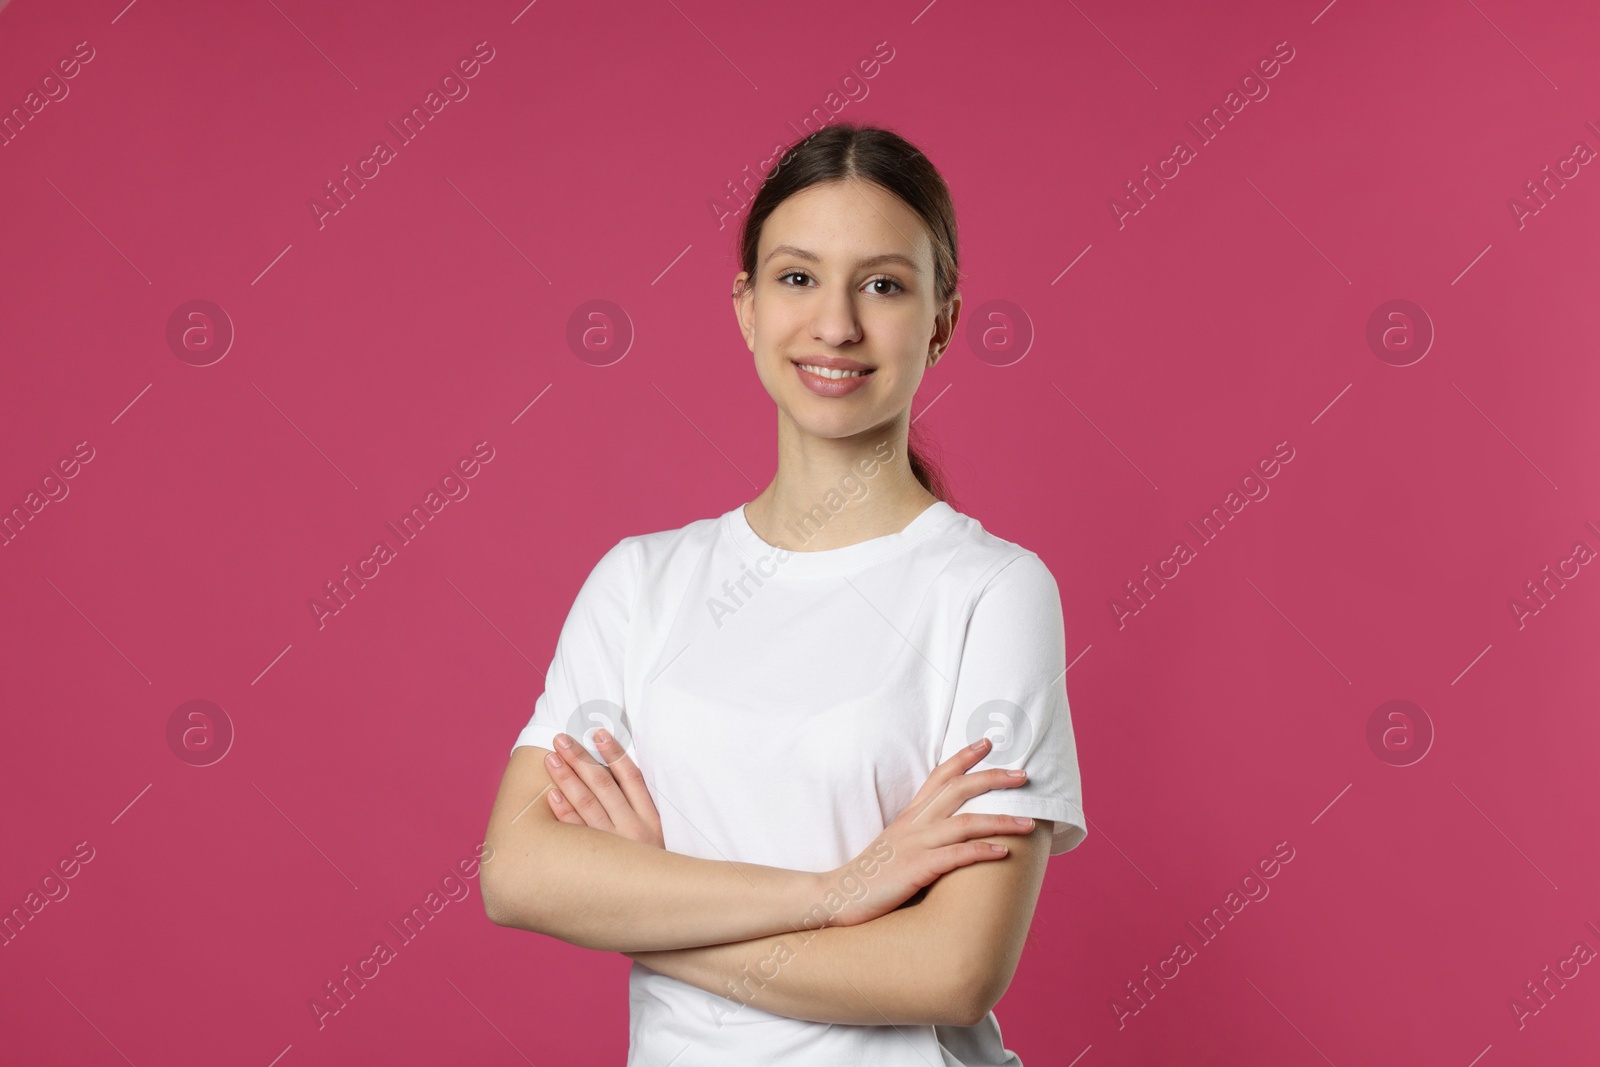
x: 1011, y: 686
x: 583, y: 689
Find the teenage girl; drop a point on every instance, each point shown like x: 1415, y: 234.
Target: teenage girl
x: 804, y: 762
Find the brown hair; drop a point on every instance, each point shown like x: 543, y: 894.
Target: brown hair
x: 868, y: 153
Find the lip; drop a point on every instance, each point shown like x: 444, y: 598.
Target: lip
x: 831, y: 386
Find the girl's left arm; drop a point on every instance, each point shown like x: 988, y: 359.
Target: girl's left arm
x: 946, y: 960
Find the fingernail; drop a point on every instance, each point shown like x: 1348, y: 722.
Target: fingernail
x: 601, y: 737
x: 553, y: 761
x: 1017, y: 774
x: 977, y: 745
x: 1023, y: 822
x: 563, y: 741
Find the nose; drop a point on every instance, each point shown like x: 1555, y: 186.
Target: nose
x: 836, y: 322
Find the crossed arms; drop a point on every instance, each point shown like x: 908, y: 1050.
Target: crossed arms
x: 748, y: 932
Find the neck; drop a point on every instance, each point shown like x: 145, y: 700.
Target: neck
x: 833, y: 492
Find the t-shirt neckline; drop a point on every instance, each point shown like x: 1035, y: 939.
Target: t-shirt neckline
x: 771, y: 561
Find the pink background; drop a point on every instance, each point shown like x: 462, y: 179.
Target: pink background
x: 373, y: 351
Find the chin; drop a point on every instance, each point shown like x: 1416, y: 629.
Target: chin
x: 839, y: 430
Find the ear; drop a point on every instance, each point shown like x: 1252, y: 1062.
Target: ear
x: 944, y: 329
x: 743, y: 308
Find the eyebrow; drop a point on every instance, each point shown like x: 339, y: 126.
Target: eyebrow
x: 870, y: 261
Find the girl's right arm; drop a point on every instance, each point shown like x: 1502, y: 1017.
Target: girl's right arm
x: 598, y: 890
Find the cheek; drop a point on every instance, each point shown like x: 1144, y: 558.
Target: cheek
x: 770, y: 369
x: 902, y: 380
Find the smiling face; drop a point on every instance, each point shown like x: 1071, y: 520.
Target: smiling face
x: 843, y: 279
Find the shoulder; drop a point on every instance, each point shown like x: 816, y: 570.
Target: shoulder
x: 993, y: 565
x: 651, y: 552
x: 654, y: 554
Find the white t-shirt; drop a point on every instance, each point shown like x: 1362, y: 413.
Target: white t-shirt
x: 785, y: 707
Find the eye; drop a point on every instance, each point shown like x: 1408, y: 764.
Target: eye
x: 880, y: 280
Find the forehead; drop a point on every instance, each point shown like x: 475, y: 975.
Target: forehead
x: 846, y: 223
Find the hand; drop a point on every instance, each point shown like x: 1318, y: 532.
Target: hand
x: 925, y: 840
x: 611, y: 798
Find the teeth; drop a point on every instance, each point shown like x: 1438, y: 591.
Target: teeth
x: 824, y: 372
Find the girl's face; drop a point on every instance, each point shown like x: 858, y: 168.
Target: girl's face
x: 844, y: 274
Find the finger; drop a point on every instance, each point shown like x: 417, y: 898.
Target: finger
x: 971, y: 825
x: 982, y: 780
x: 964, y: 759
x: 949, y: 786
x: 628, y: 776
x: 953, y: 856
x: 564, y: 811
x: 602, y: 783
x: 958, y: 763
x: 577, y: 793
x: 958, y: 791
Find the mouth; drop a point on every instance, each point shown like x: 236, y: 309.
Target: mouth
x: 832, y: 376
x: 834, y: 373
